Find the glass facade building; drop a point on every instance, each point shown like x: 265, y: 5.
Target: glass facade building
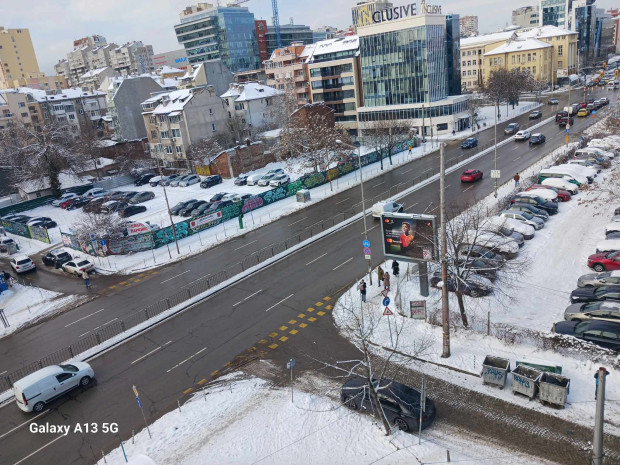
x: 554, y: 12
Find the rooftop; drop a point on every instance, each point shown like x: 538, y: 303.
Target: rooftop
x: 546, y: 31
x: 324, y: 47
x: 487, y: 38
x: 249, y: 91
x: 519, y: 45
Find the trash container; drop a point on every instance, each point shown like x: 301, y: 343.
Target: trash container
x: 525, y: 381
x: 541, y: 365
x: 303, y: 195
x: 554, y: 389
x: 495, y: 371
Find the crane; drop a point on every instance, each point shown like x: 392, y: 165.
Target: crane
x: 276, y: 18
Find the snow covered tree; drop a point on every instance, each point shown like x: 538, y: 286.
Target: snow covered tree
x: 204, y: 151
x: 103, y: 226
x: 384, y: 135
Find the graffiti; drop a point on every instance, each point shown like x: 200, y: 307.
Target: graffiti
x: 292, y: 188
x: 252, y: 204
x: 40, y: 234
x: 274, y: 195
x: 16, y: 228
x: 346, y: 168
x: 129, y: 244
x: 314, y: 180
x: 524, y: 382
x: 497, y: 374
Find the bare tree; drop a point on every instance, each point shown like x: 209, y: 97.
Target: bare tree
x: 204, y: 151
x: 101, y: 225
x: 90, y: 148
x: 473, y: 107
x: 384, y: 135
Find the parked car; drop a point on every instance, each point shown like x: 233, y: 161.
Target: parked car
x: 553, y: 101
x: 78, y: 265
x: 22, y: 264
x: 469, y: 143
x: 253, y: 179
x: 241, y: 180
x: 213, y: 180
x: 266, y: 179
x: 606, y: 278
x: 113, y: 206
x: 46, y: 223
x: 604, y: 261
x: 95, y: 192
x: 384, y: 206
x: 127, y: 196
x: 131, y: 210
x: 587, y: 163
x: 593, y: 294
x: 280, y: 180
x: 94, y: 206
x: 63, y: 198
x: 512, y: 128
x: 37, y: 219
x: 155, y: 180
x: 498, y: 244
x: 609, y: 311
x: 213, y: 206
x: 563, y: 184
x: 400, y: 403
x: 547, y: 194
x: 482, y: 253
x: 67, y: 203
x: 603, y: 333
x: 200, y: 208
x: 144, y: 179
x: 56, y: 258
x: 187, y: 210
x: 276, y: 171
x: 175, y: 182
x: 217, y: 197
x: 566, y: 120
x: 502, y: 232
x: 562, y: 195
x: 168, y: 179
x: 478, y: 266
x: 23, y: 219
x: 189, y: 180
x: 471, y: 176
x: 537, y: 201
x: 510, y: 225
x: 472, y: 286
x: 80, y: 202
x: 115, y: 195
x: 523, y: 135
x: 537, y: 139
x: 142, y: 197
x: 241, y: 197
x: 175, y: 210
x: 37, y: 389
x: 609, y: 245
x: 536, y: 114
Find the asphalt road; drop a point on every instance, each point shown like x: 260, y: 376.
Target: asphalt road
x: 256, y: 312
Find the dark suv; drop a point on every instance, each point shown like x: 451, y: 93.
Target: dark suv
x: 144, y: 179
x: 56, y: 258
x: 211, y: 181
x: 512, y: 128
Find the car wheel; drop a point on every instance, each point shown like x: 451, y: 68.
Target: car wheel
x: 474, y: 293
x: 38, y: 407
x: 598, y: 267
x: 85, y: 381
x: 350, y: 402
x: 401, y: 424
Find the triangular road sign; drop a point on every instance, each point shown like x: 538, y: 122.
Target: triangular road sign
x: 384, y: 293
x: 387, y: 311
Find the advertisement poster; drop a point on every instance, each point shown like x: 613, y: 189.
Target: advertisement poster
x: 409, y: 237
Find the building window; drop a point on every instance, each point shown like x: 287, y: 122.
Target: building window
x: 469, y: 72
x: 464, y: 63
x: 529, y: 57
x: 165, y: 135
x: 21, y: 104
x: 213, y: 127
x: 560, y: 50
x: 464, y: 73
x: 176, y: 133
x: 168, y: 150
x: 513, y: 59
x: 71, y: 116
x: 81, y: 111
x: 463, y: 53
x: 475, y: 72
x: 534, y: 70
x: 560, y: 64
x: 179, y: 149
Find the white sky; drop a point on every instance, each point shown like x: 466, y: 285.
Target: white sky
x: 55, y: 24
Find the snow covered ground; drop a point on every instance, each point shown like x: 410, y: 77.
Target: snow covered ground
x: 246, y: 421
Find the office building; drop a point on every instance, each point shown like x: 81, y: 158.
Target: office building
x: 261, y: 40
x: 324, y: 33
x: 289, y: 33
x: 361, y: 14
x: 17, y: 57
x: 469, y: 26
x: 555, y: 13
x: 563, y: 53
x: 200, y: 32
x: 526, y: 16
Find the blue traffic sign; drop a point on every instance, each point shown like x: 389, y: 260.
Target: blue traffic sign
x: 103, y: 242
x: 366, y: 251
x: 138, y: 401
x: 386, y: 301
x: 92, y: 237
x: 366, y: 243
x: 594, y: 112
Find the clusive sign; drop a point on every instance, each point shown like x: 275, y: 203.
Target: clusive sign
x: 396, y: 12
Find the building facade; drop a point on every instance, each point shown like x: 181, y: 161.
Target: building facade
x: 261, y: 40
x: 286, y: 71
x: 253, y: 105
x: 132, y: 58
x: 532, y: 55
x: 361, y: 14
x: 526, y: 16
x: 201, y: 32
x: 469, y: 26
x: 555, y: 13
x: 174, y: 59
x: 17, y: 57
x: 289, y: 33
x: 564, y: 49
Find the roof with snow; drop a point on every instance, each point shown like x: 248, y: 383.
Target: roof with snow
x: 195, y: 70
x: 169, y: 69
x: 323, y: 47
x: 487, y: 38
x: 94, y: 72
x: 62, y: 94
x: 519, y: 45
x: 250, y: 91
x: 545, y: 31
x: 170, y: 101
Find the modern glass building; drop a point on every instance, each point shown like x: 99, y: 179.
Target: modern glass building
x: 289, y: 33
x: 228, y: 33
x: 555, y: 12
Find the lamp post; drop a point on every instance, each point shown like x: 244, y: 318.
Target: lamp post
x: 495, y: 153
x: 174, y: 231
x: 359, y: 160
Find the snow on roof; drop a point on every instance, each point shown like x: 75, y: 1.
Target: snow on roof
x: 105, y: 143
x: 341, y: 44
x: 174, y: 101
x: 194, y: 73
x: 66, y: 181
x: 271, y: 134
x: 62, y: 94
x: 94, y: 72
x: 169, y: 69
x: 486, y: 38
x: 518, y: 46
x: 102, y: 162
x: 250, y: 91
x: 546, y: 31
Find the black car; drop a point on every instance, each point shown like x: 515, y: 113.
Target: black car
x: 217, y: 206
x: 531, y: 209
x: 187, y: 210
x: 217, y: 197
x: 127, y: 196
x: 79, y: 203
x: 469, y: 286
x: 400, y: 403
x: 595, y: 294
x: 200, y: 209
x: 566, y: 120
x: 512, y: 128
x: 469, y: 143
x: 144, y: 179
x: 537, y: 201
x: 179, y: 206
x: 599, y: 332
x: 241, y: 180
x: 537, y: 139
x: 214, y: 180
x: 131, y: 210
x: 23, y: 219
x: 114, y: 206
x: 56, y: 258
x: 561, y: 114
x: 536, y: 114
x: 46, y: 223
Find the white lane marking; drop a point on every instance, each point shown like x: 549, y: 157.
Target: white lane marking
x: 469, y: 188
x: 516, y: 158
x: 447, y: 186
x: 312, y: 261
x: 3, y: 373
x: 412, y: 206
x: 152, y: 351
x: 376, y: 226
x: 196, y: 280
x: 95, y: 329
x: 83, y: 318
x: 304, y: 218
x: 435, y: 208
x: 176, y: 276
x: 39, y: 449
x: 245, y: 245
x: 377, y: 185
x: 403, y: 172
x: 338, y: 203
x: 188, y: 358
x: 280, y: 302
x: 343, y: 263
x: 248, y: 297
x: 24, y: 423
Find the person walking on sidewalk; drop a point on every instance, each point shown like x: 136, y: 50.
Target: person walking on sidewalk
x: 516, y: 178
x: 386, y: 281
x: 410, y: 147
x: 362, y: 288
x: 395, y: 268
x: 379, y: 275
x: 86, y: 278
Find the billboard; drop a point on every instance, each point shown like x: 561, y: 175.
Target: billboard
x: 409, y: 237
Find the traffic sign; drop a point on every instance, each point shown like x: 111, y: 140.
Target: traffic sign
x: 366, y: 243
x: 367, y: 257
x: 495, y: 174
x: 367, y: 250
x: 290, y: 364
x: 387, y: 311
x: 103, y: 242
x: 567, y: 126
x: 384, y: 292
x: 386, y: 301
x: 92, y: 237
x: 138, y: 401
x: 135, y: 390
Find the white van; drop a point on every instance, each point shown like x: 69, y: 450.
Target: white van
x: 382, y: 207
x: 41, y: 387
x: 561, y: 183
x: 609, y: 245
x: 254, y: 178
x: 568, y: 175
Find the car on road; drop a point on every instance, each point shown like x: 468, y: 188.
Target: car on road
x: 168, y: 179
x: 512, y: 128
x: 22, y: 264
x: 523, y: 135
x: 469, y: 143
x: 266, y: 179
x: 189, y: 180
x: 537, y: 139
x: 80, y: 202
x: 472, y: 286
x: 144, y: 179
x: 63, y: 198
x: 77, y: 266
x: 583, y: 112
x: 241, y: 180
x: 131, y: 210
x: 56, y: 258
x: 400, y: 403
x: 535, y: 114
x: 603, y: 333
x: 531, y: 209
x: 142, y: 197
x: 595, y: 294
x: 471, y: 175
x: 562, y: 195
x: 539, y: 202
x: 525, y: 218
x: 561, y: 114
x: 609, y: 311
x: 213, y: 180
x: 95, y: 192
x: 475, y: 251
x: 606, y: 278
x: 604, y: 261
x: 553, y: 101
x: 280, y: 180
x: 384, y: 206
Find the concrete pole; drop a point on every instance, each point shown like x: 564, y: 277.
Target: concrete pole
x: 597, y: 447
x: 445, y: 309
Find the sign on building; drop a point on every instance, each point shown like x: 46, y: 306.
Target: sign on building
x: 417, y: 309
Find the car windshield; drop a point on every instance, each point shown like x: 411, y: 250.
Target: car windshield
x: 611, y: 255
x: 604, y: 275
x: 71, y: 368
x: 526, y: 215
x: 83, y: 263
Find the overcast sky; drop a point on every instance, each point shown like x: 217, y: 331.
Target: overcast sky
x: 54, y: 25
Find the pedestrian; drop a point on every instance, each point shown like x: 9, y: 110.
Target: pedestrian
x: 7, y: 278
x: 86, y: 279
x: 516, y: 178
x: 386, y: 281
x: 379, y: 275
x: 453, y: 132
x: 596, y: 383
x: 362, y: 288
x: 410, y: 147
x: 395, y: 268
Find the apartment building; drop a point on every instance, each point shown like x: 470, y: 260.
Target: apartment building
x: 472, y: 54
x: 254, y: 105
x: 14, y: 107
x: 286, y: 71
x: 94, y: 78
x: 526, y: 17
x: 564, y: 51
x: 17, y: 57
x: 468, y: 26
x: 176, y: 120
x: 132, y: 58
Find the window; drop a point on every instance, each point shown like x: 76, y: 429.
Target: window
x: 469, y: 72
x: 464, y: 73
x: 469, y: 63
x: 81, y: 111
x: 529, y: 57
x: 71, y: 116
x: 168, y: 150
x: 179, y: 149
x: 533, y: 69
x: 213, y: 127
x: 560, y: 63
x: 534, y: 56
x: 63, y: 377
x: 475, y: 72
x: 165, y: 135
x: 464, y: 63
x: 211, y: 111
x: 176, y: 133
x: 21, y: 104
x: 560, y: 50
x: 24, y: 115
x: 513, y: 59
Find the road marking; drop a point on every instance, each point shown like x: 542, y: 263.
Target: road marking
x: 377, y: 185
x: 39, y: 449
x: 2, y: 373
x: 516, y: 158
x: 469, y: 188
x: 280, y: 302
x: 188, y: 358
x: 245, y: 245
x: 403, y: 172
x: 152, y: 351
x: 248, y: 297
x: 83, y: 318
x: 304, y: 218
x: 196, y: 280
x: 412, y: 206
x: 170, y: 279
x: 338, y: 203
x: 376, y: 226
x: 343, y: 263
x: 188, y: 390
x: 447, y: 186
x: 435, y: 208
x: 316, y: 259
x: 95, y: 329
x: 24, y: 423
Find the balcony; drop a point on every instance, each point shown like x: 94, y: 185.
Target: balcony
x: 300, y: 78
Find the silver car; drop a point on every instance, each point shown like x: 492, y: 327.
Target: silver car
x: 524, y: 217
x: 189, y: 180
x: 609, y: 311
x: 607, y: 278
x: 265, y: 180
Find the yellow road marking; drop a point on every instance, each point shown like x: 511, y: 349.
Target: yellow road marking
x: 141, y: 274
x: 283, y: 328
x: 327, y: 299
x: 311, y: 319
x: 201, y: 382
x: 187, y: 391
x: 284, y: 338
x: 301, y: 315
x: 320, y: 313
x: 263, y: 341
x: 303, y: 325
x: 273, y: 346
x: 292, y: 322
x: 328, y: 307
x: 319, y: 304
x: 122, y: 283
x: 293, y: 331
x: 214, y: 373
x: 310, y: 309
x: 274, y: 334
x: 113, y: 286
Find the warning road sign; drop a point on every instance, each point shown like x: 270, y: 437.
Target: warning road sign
x: 387, y: 311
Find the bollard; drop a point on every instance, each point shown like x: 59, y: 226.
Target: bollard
x: 132, y: 436
x: 179, y: 405
x: 103, y: 457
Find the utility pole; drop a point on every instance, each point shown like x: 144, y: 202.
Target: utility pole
x: 174, y: 231
x: 445, y: 309
x: 597, y: 447
x: 495, y: 153
x: 359, y: 160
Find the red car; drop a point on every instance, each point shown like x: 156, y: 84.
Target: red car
x: 604, y: 261
x: 471, y: 176
x: 563, y: 196
x: 66, y: 203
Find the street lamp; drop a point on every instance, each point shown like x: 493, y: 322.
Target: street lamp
x: 358, y: 146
